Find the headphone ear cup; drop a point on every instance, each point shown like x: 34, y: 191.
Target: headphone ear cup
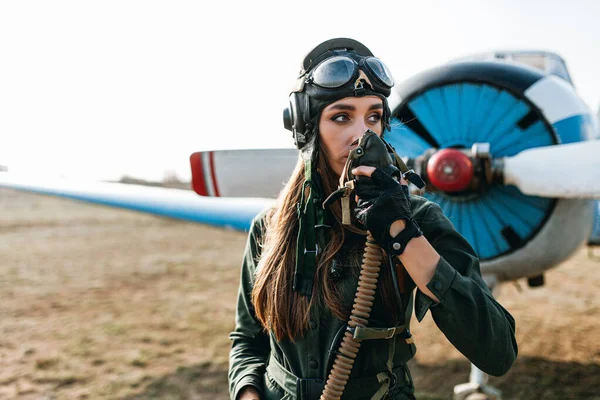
x: 287, y: 119
x: 296, y: 119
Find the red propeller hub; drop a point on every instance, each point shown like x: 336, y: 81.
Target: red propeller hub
x: 450, y: 170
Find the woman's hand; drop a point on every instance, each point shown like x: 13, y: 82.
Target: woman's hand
x: 389, y: 201
x: 249, y: 393
x: 383, y: 203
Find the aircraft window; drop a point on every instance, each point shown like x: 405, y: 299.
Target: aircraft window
x: 545, y: 63
x: 558, y: 68
x: 533, y: 60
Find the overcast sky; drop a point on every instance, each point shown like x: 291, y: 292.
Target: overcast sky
x: 108, y: 88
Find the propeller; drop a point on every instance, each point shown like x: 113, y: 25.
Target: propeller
x: 242, y: 173
x: 557, y: 171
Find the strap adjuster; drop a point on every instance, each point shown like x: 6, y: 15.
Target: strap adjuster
x: 391, y: 332
x: 315, y: 251
x: 393, y: 381
x: 388, y: 381
x: 365, y: 333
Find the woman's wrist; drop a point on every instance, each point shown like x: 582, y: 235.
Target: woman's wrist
x: 396, y: 227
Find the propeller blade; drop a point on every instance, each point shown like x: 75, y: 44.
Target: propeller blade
x: 561, y: 171
x: 242, y: 173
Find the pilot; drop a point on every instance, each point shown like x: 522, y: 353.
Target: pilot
x: 298, y: 332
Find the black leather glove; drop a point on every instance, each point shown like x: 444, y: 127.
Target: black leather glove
x: 382, y: 200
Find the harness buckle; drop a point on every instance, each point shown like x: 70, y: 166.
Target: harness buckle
x: 390, y: 333
x: 315, y: 251
x: 393, y: 381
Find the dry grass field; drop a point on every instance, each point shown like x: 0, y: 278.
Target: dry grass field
x: 99, y: 303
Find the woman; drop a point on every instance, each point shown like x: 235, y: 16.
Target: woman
x: 301, y: 265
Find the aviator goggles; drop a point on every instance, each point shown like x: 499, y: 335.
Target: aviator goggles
x: 338, y: 71
x: 346, y: 73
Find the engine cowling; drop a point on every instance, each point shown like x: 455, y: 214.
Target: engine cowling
x: 512, y: 108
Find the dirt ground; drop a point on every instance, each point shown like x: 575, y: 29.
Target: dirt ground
x: 99, y: 303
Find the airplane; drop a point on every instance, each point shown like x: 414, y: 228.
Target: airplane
x: 504, y: 143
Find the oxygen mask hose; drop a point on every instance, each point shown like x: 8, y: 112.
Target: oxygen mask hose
x: 361, y: 310
x: 371, y: 151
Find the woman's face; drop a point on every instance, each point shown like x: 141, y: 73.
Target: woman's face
x: 344, y: 122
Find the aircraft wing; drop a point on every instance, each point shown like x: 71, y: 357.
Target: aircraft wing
x: 235, y: 213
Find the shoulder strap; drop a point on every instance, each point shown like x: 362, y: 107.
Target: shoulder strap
x: 306, y: 246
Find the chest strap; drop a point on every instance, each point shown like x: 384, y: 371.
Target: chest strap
x: 366, y: 333
x: 356, y: 388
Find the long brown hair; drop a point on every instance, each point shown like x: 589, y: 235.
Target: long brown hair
x: 278, y: 307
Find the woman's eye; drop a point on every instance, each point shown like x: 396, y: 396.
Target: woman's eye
x: 340, y: 118
x: 375, y: 118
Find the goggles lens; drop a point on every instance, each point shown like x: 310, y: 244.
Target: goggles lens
x: 380, y: 70
x: 334, y: 72
x: 337, y: 71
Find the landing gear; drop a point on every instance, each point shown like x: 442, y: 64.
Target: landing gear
x: 477, y: 387
x: 591, y: 254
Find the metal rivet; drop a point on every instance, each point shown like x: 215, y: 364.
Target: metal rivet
x: 396, y: 246
x: 359, y: 150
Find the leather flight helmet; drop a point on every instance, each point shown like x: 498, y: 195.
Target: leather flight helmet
x: 335, y: 69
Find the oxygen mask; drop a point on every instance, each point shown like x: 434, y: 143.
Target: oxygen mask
x: 371, y: 151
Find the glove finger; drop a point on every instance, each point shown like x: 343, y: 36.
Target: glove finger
x: 382, y: 179
x: 363, y: 204
x: 361, y: 215
x: 366, y: 188
x: 405, y: 190
x: 362, y: 208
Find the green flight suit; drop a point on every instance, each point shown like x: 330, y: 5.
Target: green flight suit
x: 467, y: 314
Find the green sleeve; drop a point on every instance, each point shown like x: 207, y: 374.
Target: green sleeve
x: 250, y: 344
x: 468, y: 315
